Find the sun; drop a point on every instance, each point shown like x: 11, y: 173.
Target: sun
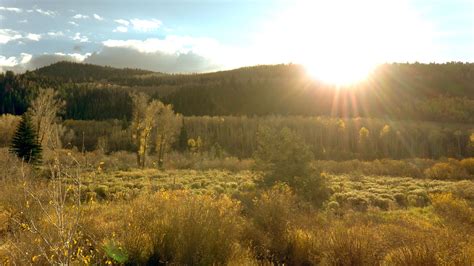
x: 340, y: 74
x: 342, y: 45
x: 342, y: 41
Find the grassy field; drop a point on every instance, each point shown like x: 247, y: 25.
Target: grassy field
x: 384, y: 192
x: 97, y: 210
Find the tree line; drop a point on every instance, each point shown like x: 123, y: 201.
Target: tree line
x: 433, y: 92
x: 156, y: 128
x: 327, y: 138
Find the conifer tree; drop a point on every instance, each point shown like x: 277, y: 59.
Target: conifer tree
x: 25, y: 142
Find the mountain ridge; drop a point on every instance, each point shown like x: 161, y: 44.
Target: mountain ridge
x: 433, y: 92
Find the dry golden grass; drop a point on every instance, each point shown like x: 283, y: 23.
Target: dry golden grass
x: 220, y: 217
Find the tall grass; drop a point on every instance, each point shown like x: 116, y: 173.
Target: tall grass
x: 245, y: 225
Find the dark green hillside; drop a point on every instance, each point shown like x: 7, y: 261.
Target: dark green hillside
x: 434, y: 92
x: 76, y: 72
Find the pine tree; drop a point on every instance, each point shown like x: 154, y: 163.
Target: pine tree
x: 25, y: 142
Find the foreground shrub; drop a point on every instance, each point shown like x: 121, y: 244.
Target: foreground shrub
x: 179, y: 227
x: 453, y: 210
x: 274, y: 233
x: 359, y: 245
x: 304, y: 247
x: 44, y: 220
x: 443, y: 249
x: 270, y: 216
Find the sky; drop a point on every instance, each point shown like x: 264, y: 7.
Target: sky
x: 201, y: 36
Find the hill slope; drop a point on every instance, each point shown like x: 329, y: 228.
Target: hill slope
x: 78, y: 72
x: 436, y: 92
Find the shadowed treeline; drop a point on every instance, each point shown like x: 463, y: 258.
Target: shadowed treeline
x: 435, y: 92
x: 328, y: 138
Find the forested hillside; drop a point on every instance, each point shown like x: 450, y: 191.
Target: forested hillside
x: 66, y: 71
x: 434, y: 92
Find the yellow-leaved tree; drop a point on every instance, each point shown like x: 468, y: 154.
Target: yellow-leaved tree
x: 44, y: 111
x: 168, y: 126
x: 143, y: 121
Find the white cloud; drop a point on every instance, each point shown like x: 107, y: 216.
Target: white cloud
x: 33, y: 37
x: 55, y: 33
x: 23, y: 21
x: 25, y: 58
x: 76, y: 56
x: 73, y: 23
x: 175, y: 63
x: 122, y: 22
x: 80, y: 38
x: 98, y: 17
x: 80, y: 16
x: 45, y: 12
x: 12, y: 62
x: 29, y: 62
x: 123, y: 25
x: 7, y: 35
x: 120, y: 29
x: 11, y: 9
x: 8, y: 61
x: 171, y: 54
x: 171, y: 44
x: 145, y: 25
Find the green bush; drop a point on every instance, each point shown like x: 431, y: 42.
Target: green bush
x: 284, y: 157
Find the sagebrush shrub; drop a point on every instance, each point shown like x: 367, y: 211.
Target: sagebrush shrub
x: 448, y: 170
x: 468, y: 165
x: 271, y: 216
x: 453, y: 210
x: 359, y: 245
x: 179, y: 227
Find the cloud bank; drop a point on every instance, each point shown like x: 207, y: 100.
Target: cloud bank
x: 29, y: 62
x: 188, y: 62
x: 173, y: 54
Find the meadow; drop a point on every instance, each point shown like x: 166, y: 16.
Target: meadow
x: 93, y: 208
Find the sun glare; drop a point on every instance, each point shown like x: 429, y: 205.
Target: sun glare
x: 341, y: 42
x: 340, y: 75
